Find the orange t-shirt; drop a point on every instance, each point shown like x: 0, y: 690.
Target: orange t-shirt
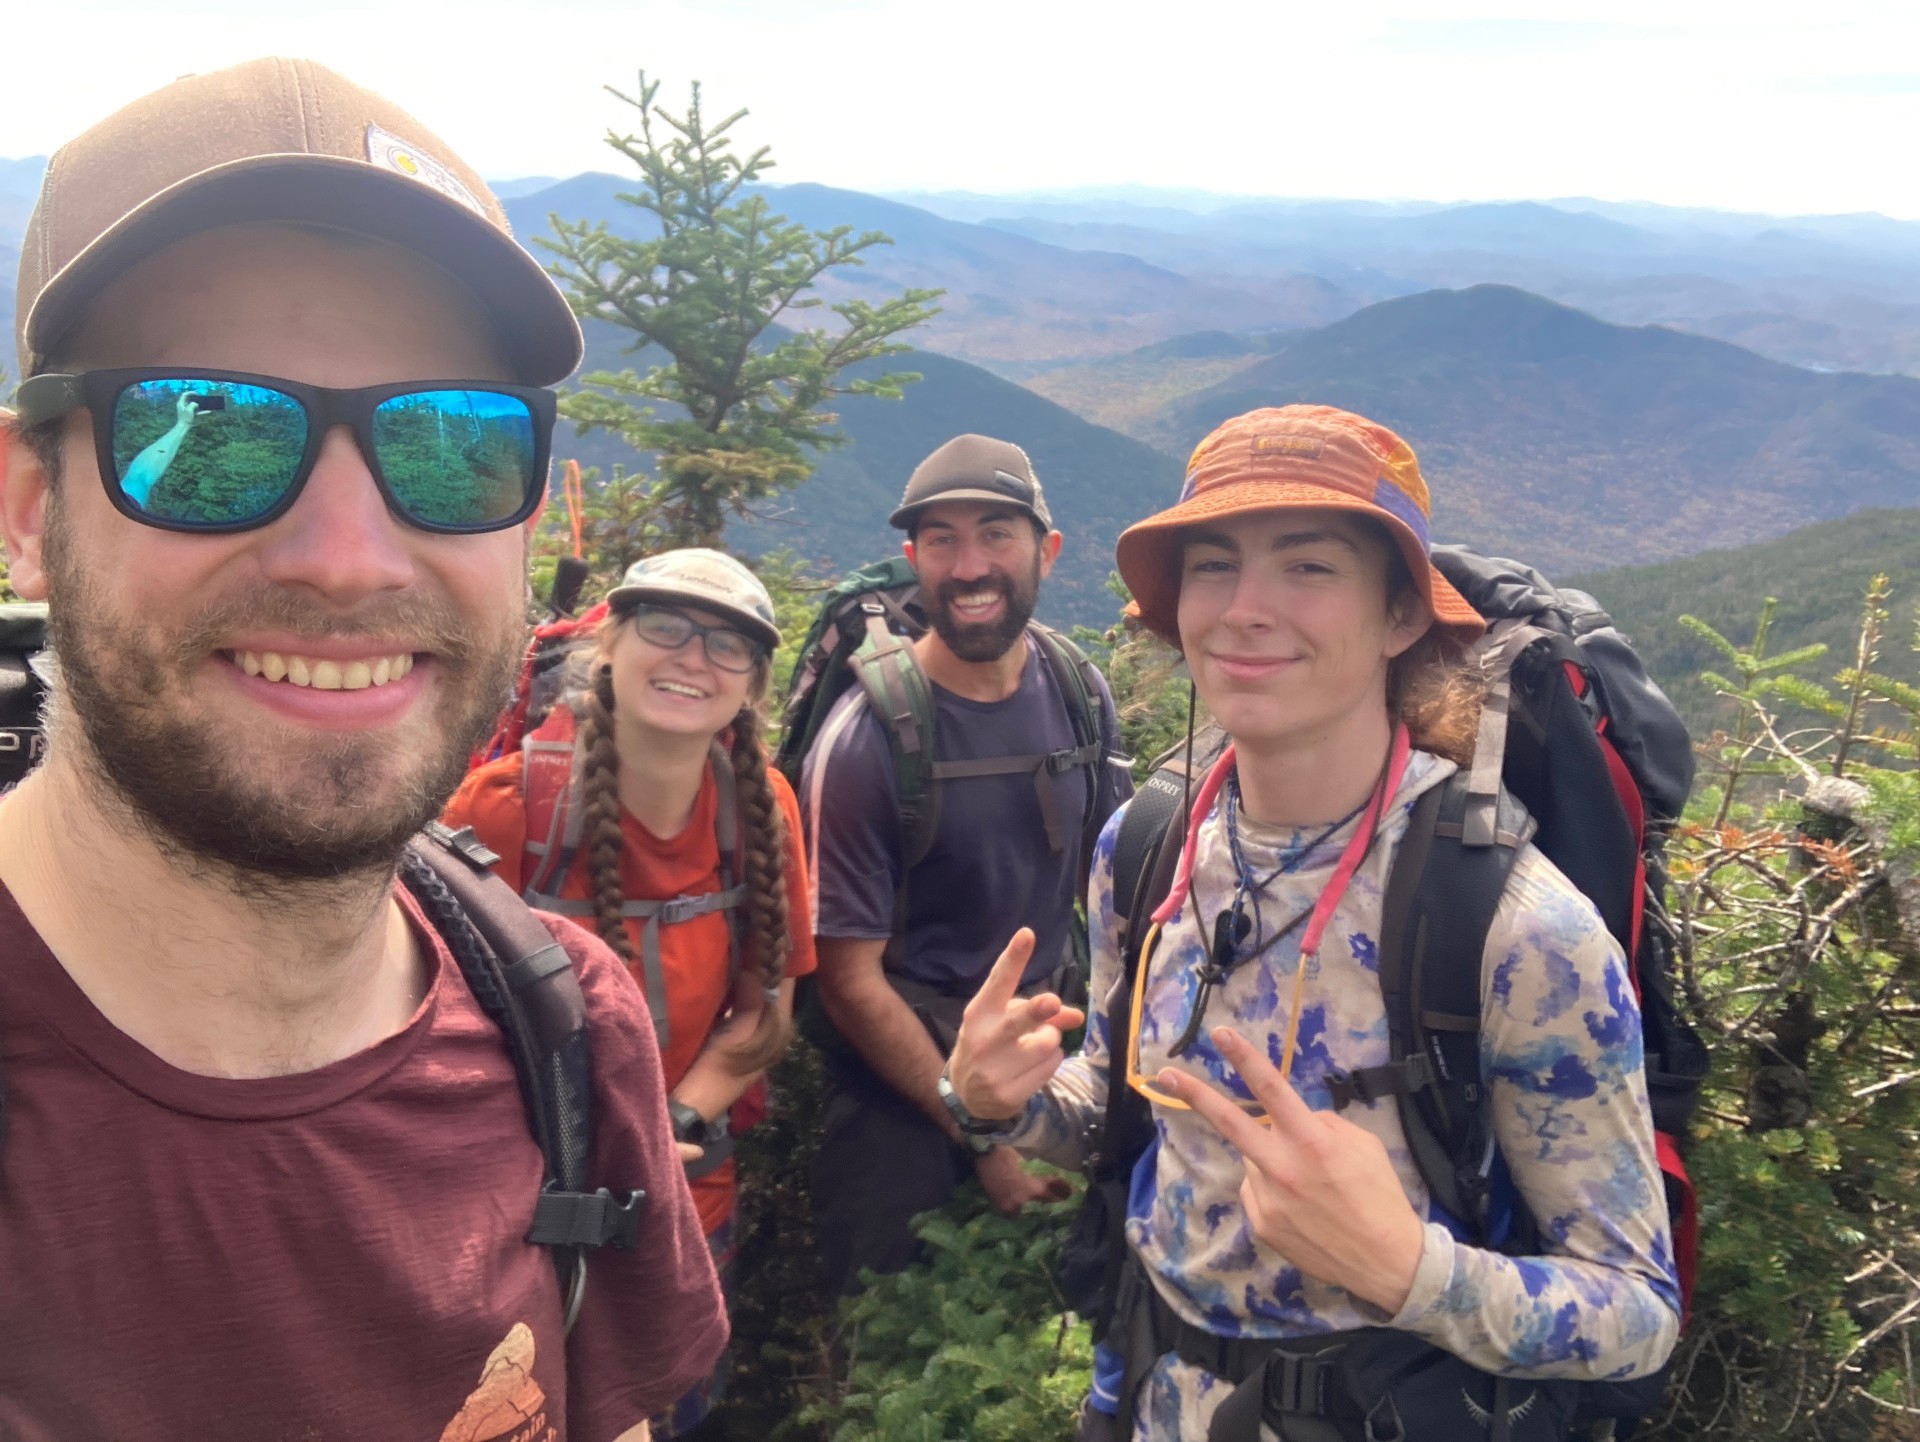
x: 694, y: 952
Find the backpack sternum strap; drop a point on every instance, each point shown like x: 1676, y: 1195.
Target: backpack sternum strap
x: 1044, y: 766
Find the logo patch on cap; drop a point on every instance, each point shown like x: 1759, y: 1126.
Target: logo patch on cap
x: 390, y: 152
x: 1303, y: 447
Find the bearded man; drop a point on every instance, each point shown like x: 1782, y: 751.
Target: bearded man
x: 267, y: 1171
x: 1017, y: 791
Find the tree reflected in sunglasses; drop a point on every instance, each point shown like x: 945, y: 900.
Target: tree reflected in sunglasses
x: 728, y: 649
x: 222, y: 451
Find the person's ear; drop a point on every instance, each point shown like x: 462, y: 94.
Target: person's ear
x: 906, y: 548
x: 1049, y: 551
x: 1409, y: 617
x: 23, y: 510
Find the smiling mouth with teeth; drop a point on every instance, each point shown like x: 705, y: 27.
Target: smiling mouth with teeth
x: 324, y: 675
x: 678, y: 688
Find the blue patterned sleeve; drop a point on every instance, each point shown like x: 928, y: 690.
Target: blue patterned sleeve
x: 1064, y: 1117
x: 1561, y: 1046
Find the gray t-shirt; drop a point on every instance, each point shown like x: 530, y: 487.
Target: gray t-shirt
x: 990, y: 869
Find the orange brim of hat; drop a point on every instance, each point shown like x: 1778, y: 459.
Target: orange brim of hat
x: 1148, y: 552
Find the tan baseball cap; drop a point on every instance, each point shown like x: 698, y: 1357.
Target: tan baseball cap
x: 275, y: 140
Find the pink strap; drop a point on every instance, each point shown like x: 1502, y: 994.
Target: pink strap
x: 1202, y: 804
x: 1356, y: 851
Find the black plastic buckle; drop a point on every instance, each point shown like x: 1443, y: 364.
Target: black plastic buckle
x: 587, y: 1219
x: 464, y: 844
x: 1372, y: 1083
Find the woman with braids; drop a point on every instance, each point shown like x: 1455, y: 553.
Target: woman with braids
x: 643, y: 805
x: 1289, y: 1272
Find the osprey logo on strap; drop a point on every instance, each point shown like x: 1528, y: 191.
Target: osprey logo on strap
x: 1485, y: 1418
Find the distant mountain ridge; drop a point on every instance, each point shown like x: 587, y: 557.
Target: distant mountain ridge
x: 1097, y: 481
x: 1011, y: 301
x: 1550, y: 433
x: 1818, y: 574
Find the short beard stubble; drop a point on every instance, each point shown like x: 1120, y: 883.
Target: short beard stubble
x: 190, y: 788
x: 993, y: 640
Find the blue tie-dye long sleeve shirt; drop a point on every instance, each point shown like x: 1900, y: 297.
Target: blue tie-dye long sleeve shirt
x: 1560, y: 1044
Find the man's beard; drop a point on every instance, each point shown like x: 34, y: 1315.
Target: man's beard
x: 343, y: 808
x: 993, y: 639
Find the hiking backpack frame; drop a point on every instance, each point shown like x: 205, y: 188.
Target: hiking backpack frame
x: 1579, y: 753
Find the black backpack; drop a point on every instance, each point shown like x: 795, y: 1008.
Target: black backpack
x: 1580, y: 753
x: 23, y: 636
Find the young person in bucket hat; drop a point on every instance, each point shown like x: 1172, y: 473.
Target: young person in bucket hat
x: 1293, y: 575
x: 266, y: 1168
x: 643, y: 805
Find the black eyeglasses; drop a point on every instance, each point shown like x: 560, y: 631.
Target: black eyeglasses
x: 727, y: 649
x: 223, y: 451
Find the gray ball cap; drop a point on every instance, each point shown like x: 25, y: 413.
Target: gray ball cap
x: 974, y: 468
x: 711, y: 580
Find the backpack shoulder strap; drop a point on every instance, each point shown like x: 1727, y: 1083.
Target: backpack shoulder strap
x: 553, y: 821
x: 524, y: 980
x: 1073, y: 672
x: 897, y: 690
x: 1145, y: 856
x: 1439, y: 906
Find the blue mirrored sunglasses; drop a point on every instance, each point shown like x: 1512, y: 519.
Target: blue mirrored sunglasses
x: 221, y: 451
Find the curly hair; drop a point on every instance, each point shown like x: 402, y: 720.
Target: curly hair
x: 768, y: 938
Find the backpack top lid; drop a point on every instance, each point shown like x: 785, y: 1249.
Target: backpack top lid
x: 1642, y: 723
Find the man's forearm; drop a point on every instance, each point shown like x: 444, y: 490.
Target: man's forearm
x: 880, y: 1025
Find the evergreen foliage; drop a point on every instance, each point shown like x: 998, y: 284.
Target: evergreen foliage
x: 720, y: 287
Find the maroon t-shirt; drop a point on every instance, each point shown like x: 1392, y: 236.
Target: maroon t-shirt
x: 331, y: 1257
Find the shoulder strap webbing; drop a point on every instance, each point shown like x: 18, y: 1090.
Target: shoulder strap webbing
x: 1146, y: 856
x: 1439, y: 906
x: 548, y: 782
x: 1071, y: 670
x: 524, y: 980
x: 896, y: 688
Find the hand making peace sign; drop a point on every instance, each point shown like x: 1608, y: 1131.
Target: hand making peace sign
x: 1319, y: 1190
x: 1009, y: 1045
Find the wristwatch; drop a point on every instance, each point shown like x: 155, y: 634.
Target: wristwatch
x: 975, y: 1132
x: 692, y: 1128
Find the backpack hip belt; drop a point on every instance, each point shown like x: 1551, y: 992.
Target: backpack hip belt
x: 1298, y: 1376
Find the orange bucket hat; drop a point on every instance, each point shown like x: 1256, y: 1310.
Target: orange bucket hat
x: 1292, y: 458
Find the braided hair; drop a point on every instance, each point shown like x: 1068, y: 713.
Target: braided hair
x: 763, y: 844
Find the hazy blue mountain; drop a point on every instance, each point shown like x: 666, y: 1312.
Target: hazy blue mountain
x: 1011, y: 302
x: 1565, y: 439
x: 1096, y: 481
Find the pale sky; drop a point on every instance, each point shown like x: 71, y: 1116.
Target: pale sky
x: 1737, y: 104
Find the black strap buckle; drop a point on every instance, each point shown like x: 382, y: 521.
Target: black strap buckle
x: 464, y: 844
x: 1061, y: 762
x: 587, y: 1219
x: 1371, y: 1083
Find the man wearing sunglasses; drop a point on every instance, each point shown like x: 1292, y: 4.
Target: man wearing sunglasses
x: 266, y: 1169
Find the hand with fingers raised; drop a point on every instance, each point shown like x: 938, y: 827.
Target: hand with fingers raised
x: 1319, y: 1190
x: 1009, y: 1045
